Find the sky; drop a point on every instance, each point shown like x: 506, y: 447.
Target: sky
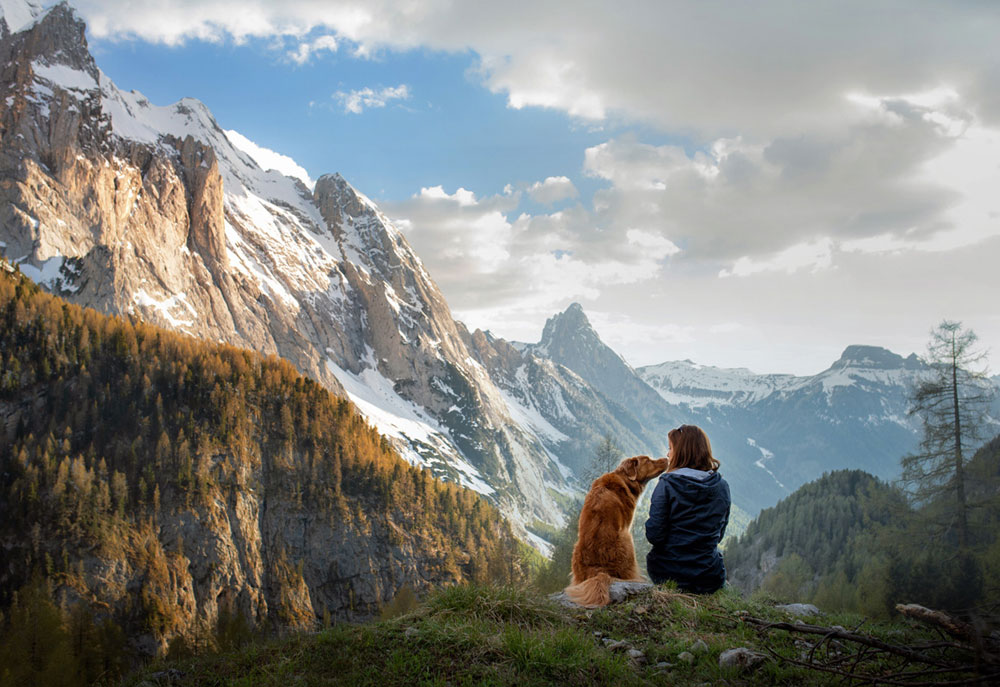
x: 739, y: 184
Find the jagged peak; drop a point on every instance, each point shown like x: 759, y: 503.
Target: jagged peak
x: 573, y: 320
x: 875, y: 357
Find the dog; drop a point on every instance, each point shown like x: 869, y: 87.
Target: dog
x: 604, y: 549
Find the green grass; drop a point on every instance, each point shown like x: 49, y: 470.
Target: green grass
x: 503, y: 636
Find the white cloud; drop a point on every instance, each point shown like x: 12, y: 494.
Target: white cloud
x: 815, y: 255
x: 552, y: 190
x: 356, y: 101
x: 307, y: 49
x: 268, y: 159
x: 768, y: 68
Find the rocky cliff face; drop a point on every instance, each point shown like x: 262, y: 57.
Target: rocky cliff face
x: 136, y: 209
x: 164, y: 481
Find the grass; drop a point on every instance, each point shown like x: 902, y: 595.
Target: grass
x: 504, y: 636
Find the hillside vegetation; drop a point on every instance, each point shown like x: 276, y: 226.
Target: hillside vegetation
x: 476, y: 635
x: 152, y: 486
x: 849, y: 541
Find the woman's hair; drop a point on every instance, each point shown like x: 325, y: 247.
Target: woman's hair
x: 691, y: 449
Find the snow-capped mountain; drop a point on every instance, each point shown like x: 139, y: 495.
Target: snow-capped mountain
x: 686, y: 383
x: 852, y: 415
x: 152, y: 211
x: 644, y: 417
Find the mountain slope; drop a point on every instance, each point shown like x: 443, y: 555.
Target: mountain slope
x: 132, y: 208
x: 163, y: 481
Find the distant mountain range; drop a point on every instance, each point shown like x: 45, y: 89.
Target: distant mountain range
x: 153, y: 212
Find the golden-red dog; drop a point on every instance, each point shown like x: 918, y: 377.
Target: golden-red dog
x: 604, y: 549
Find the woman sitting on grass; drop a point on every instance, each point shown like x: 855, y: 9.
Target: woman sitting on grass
x: 688, y: 515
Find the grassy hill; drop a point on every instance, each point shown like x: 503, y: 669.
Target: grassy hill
x: 488, y: 635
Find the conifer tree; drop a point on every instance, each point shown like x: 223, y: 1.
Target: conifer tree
x: 952, y: 402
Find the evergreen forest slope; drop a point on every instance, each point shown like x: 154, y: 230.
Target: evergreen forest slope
x: 849, y: 541
x: 162, y: 483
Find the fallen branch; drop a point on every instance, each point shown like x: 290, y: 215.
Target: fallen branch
x: 865, y: 640
x: 953, y: 626
x: 865, y: 659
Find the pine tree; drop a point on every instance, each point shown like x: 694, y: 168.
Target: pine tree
x: 952, y: 403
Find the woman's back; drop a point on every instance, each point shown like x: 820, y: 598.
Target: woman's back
x: 688, y: 515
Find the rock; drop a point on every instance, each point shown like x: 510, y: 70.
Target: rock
x: 801, y: 610
x: 640, y: 610
x: 636, y: 655
x: 563, y: 600
x: 620, y: 591
x: 699, y: 647
x: 740, y: 658
x: 685, y: 656
x: 664, y: 665
x: 613, y: 645
x: 598, y: 634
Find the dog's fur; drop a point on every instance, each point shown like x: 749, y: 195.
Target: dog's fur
x: 604, y: 550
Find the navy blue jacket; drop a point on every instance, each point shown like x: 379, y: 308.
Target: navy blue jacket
x: 688, y: 515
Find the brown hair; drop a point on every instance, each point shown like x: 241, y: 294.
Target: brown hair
x: 691, y: 449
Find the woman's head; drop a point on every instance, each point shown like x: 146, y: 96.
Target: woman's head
x: 690, y: 448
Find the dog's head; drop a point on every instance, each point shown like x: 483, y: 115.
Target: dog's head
x: 641, y: 469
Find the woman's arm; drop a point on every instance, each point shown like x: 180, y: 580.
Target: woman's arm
x: 725, y: 520
x: 659, y: 514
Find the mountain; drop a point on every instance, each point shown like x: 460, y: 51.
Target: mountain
x: 853, y: 415
x: 163, y: 482
x: 153, y: 212
x: 643, y: 415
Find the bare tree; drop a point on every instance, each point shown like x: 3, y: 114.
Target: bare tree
x: 952, y: 402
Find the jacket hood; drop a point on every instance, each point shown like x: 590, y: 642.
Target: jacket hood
x: 696, y: 485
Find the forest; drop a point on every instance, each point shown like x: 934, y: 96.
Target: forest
x: 116, y: 435
x: 851, y: 542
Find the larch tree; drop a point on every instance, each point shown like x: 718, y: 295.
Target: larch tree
x: 606, y: 458
x: 953, y: 403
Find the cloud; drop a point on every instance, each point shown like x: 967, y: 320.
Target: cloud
x: 355, y: 102
x: 484, y: 253
x: 759, y: 69
x: 268, y: 159
x: 552, y: 190
x: 307, y: 49
x: 815, y: 255
x: 919, y: 168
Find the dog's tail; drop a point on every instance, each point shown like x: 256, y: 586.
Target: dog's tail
x: 592, y: 592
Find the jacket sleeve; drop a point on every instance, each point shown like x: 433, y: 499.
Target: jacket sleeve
x: 659, y: 514
x: 725, y: 519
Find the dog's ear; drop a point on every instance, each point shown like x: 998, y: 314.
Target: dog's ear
x: 630, y: 466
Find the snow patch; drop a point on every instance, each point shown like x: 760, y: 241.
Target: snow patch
x: 64, y: 76
x: 47, y: 274
x: 163, y: 307
x: 401, y: 419
x: 765, y: 456
x: 19, y: 14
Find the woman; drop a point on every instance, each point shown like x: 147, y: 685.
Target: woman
x: 688, y: 515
